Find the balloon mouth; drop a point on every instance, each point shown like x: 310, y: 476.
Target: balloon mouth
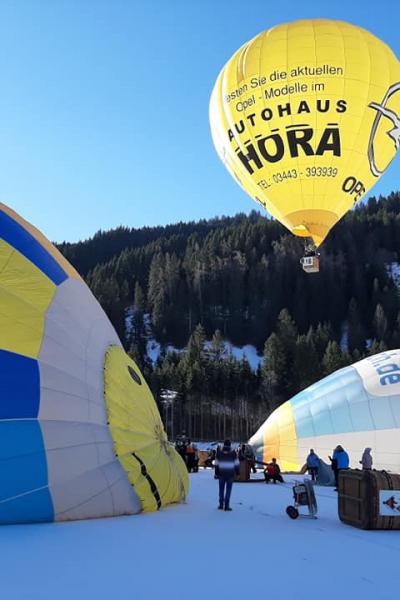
x: 301, y: 231
x: 315, y: 224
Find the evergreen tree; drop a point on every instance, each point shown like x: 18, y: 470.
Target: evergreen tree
x: 274, y: 370
x: 320, y: 338
x: 306, y: 363
x: 286, y: 331
x: 138, y: 333
x: 356, y: 331
x: 377, y: 347
x: 157, y: 294
x: 334, y: 358
x: 194, y: 361
x: 380, y: 323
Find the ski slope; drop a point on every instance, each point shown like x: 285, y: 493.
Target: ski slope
x: 196, y: 552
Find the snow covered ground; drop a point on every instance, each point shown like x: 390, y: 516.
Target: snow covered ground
x: 196, y: 552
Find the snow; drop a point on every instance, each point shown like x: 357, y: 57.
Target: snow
x: 196, y: 552
x: 394, y: 271
x: 153, y: 347
x: 249, y: 351
x: 153, y: 350
x: 239, y: 352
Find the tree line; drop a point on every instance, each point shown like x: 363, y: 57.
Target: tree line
x: 193, y: 285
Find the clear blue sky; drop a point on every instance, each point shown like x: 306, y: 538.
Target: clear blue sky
x: 104, y: 105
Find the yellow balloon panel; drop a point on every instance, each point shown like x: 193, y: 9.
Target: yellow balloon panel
x: 280, y: 439
x: 152, y: 465
x: 25, y: 295
x: 306, y: 117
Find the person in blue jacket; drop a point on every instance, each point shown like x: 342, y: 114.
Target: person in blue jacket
x: 313, y: 464
x: 226, y: 467
x: 340, y: 461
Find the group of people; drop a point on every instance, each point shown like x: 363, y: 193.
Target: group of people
x: 227, y: 461
x: 227, y: 464
x: 188, y: 451
x: 339, y: 462
x: 272, y: 471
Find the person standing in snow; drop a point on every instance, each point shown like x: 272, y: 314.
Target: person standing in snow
x: 366, y: 460
x: 251, y: 457
x: 313, y: 464
x: 181, y: 444
x: 191, y: 457
x: 226, y: 467
x: 340, y: 461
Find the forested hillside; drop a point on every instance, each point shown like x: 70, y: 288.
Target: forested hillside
x: 239, y: 279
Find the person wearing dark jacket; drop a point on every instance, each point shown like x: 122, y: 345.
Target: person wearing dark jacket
x: 209, y: 462
x: 226, y: 467
x: 181, y: 443
x: 250, y: 457
x: 273, y: 471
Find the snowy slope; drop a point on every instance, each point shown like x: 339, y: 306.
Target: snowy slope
x: 195, y: 552
x: 249, y: 351
x: 153, y: 347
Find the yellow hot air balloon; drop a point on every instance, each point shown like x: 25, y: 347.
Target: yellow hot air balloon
x: 306, y: 117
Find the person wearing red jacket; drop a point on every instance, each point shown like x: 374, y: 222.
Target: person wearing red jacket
x: 273, y: 471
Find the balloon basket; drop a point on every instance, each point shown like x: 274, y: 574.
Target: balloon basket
x: 310, y: 264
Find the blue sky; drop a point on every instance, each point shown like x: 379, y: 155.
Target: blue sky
x: 104, y: 105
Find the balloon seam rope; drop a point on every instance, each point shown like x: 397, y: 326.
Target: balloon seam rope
x: 39, y: 489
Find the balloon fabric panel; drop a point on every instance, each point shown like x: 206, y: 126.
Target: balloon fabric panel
x: 24, y: 498
x: 154, y: 468
x: 19, y: 386
x: 26, y: 292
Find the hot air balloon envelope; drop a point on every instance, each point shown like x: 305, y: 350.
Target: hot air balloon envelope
x: 306, y: 117
x: 356, y: 407
x: 80, y: 433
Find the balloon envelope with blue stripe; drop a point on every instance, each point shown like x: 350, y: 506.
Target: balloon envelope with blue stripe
x: 80, y: 436
x: 356, y: 407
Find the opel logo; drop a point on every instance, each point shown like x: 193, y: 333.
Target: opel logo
x: 383, y: 111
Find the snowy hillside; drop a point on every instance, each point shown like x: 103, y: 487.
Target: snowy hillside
x: 153, y: 347
x: 195, y: 552
x: 248, y: 351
